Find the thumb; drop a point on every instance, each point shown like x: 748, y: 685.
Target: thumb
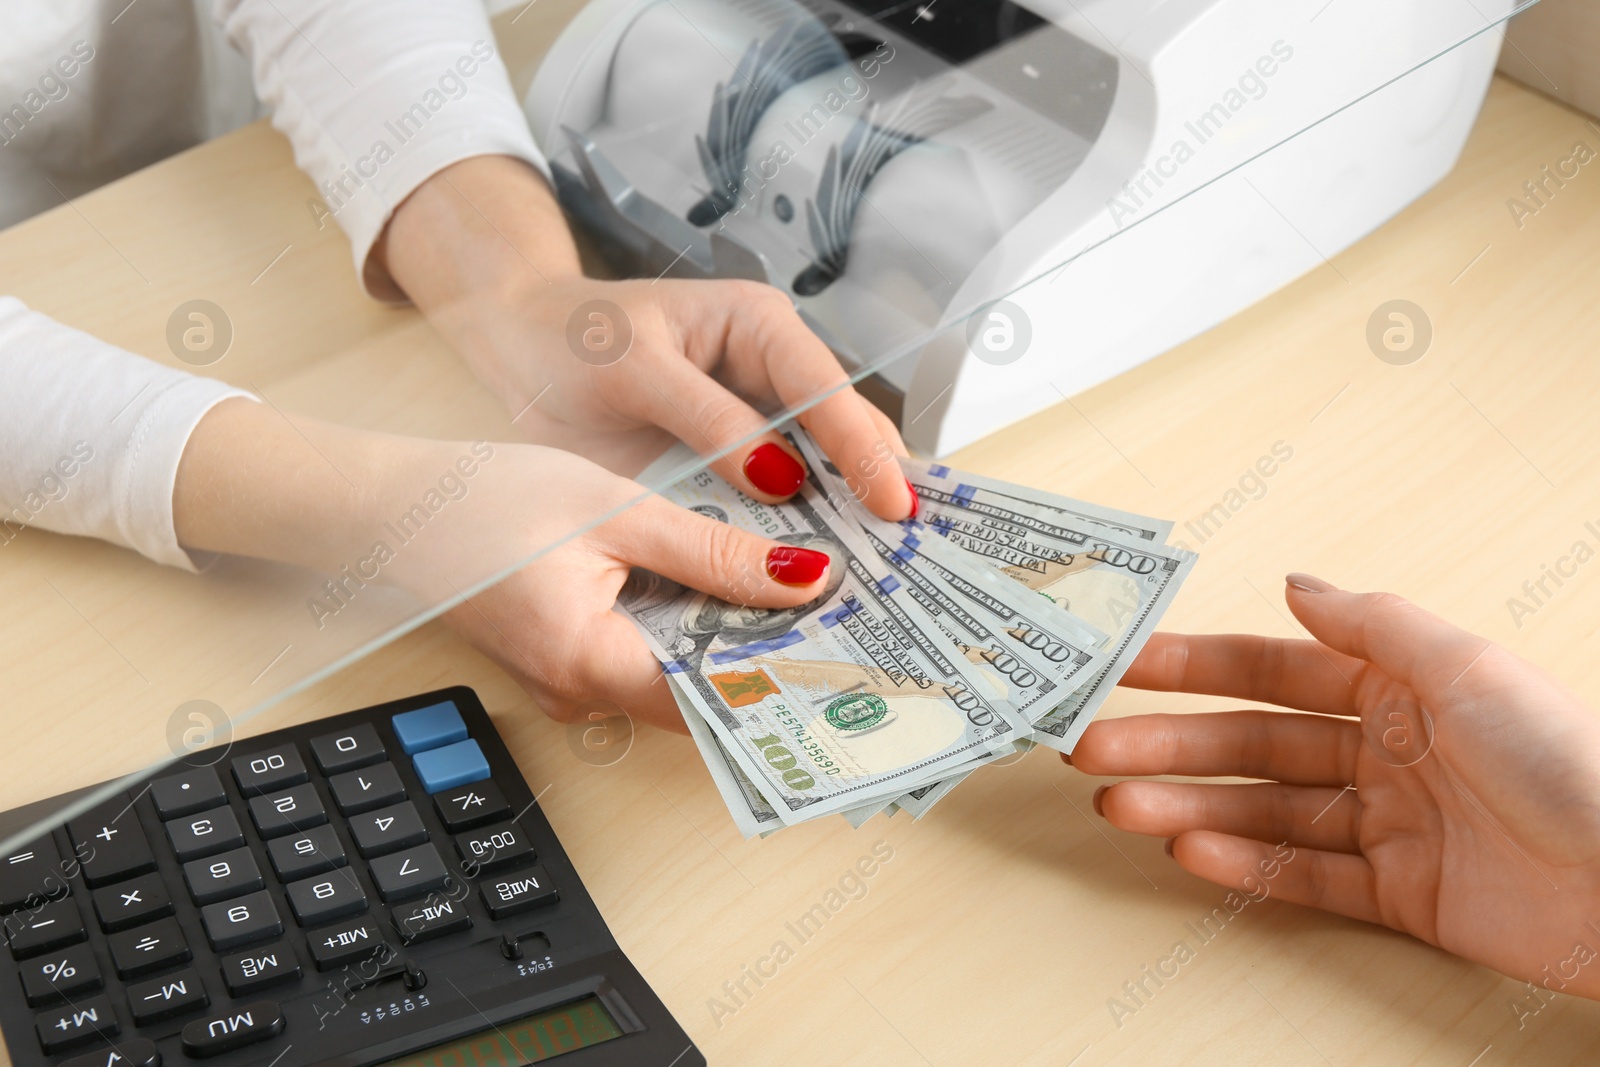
x: 714, y: 557
x: 1412, y: 646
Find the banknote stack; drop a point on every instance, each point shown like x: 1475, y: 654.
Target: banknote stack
x: 999, y: 618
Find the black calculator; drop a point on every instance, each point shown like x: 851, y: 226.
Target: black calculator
x: 372, y: 888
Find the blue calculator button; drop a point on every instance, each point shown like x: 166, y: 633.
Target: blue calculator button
x: 453, y: 765
x: 430, y: 727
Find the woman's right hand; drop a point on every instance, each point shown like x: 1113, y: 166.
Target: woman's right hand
x: 551, y: 624
x: 451, y: 515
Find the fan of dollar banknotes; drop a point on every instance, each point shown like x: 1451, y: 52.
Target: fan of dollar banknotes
x: 999, y: 618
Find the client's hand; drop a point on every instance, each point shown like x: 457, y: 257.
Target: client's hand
x: 1474, y: 818
x: 482, y: 249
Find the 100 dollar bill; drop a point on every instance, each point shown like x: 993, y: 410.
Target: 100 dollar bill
x: 1034, y: 652
x: 1106, y: 572
x: 831, y: 705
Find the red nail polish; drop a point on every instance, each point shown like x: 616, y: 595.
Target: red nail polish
x: 916, y: 501
x: 1098, y: 793
x: 796, y: 566
x: 773, y: 471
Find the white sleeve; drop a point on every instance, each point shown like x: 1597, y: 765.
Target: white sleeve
x: 376, y: 96
x: 91, y: 435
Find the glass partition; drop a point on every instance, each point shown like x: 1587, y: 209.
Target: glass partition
x: 979, y: 210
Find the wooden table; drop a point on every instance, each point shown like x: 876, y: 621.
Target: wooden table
x: 999, y: 928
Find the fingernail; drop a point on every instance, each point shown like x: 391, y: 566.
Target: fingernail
x: 916, y: 501
x: 1067, y: 759
x: 796, y: 566
x: 1307, y: 583
x: 773, y: 471
x: 1168, y: 846
x: 1098, y: 793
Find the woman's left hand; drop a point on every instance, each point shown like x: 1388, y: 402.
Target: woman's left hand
x: 482, y: 249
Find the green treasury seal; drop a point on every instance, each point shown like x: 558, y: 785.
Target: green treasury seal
x: 856, y: 711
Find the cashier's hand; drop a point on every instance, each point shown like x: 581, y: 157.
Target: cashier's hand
x: 482, y: 249
x: 1474, y: 818
x: 436, y: 518
x: 550, y: 624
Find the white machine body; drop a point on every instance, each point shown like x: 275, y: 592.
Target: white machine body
x: 1125, y: 174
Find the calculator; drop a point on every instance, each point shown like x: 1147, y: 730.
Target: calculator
x: 378, y: 887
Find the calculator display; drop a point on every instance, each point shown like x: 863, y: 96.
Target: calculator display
x: 533, y: 1039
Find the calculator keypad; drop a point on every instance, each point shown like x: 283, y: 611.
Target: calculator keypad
x: 272, y: 874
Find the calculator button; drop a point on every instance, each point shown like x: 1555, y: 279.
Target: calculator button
x: 306, y: 854
x: 450, y: 766
x: 76, y: 1024
x: 410, y: 873
x: 260, y: 968
x: 233, y: 1028
x: 219, y: 877
x: 280, y: 813
x: 132, y: 1052
x: 518, y: 892
x: 429, y: 919
x: 111, y: 842
x: 164, y: 997
x: 345, y: 751
x: 50, y: 926
x: 269, y: 769
x: 131, y: 903
x: 363, y: 790
x: 234, y: 923
x: 430, y: 727
x: 184, y: 794
x: 473, y: 805
x: 202, y: 835
x: 495, y: 847
x: 31, y: 875
x: 148, y: 948
x: 351, y: 942
x: 387, y: 829
x: 66, y: 973
x: 317, y: 900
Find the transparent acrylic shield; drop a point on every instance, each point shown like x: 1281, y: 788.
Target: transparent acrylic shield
x: 980, y: 210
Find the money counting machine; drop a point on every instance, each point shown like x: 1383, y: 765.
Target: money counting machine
x: 898, y: 167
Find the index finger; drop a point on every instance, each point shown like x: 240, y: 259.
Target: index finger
x: 1293, y: 674
x: 800, y: 369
